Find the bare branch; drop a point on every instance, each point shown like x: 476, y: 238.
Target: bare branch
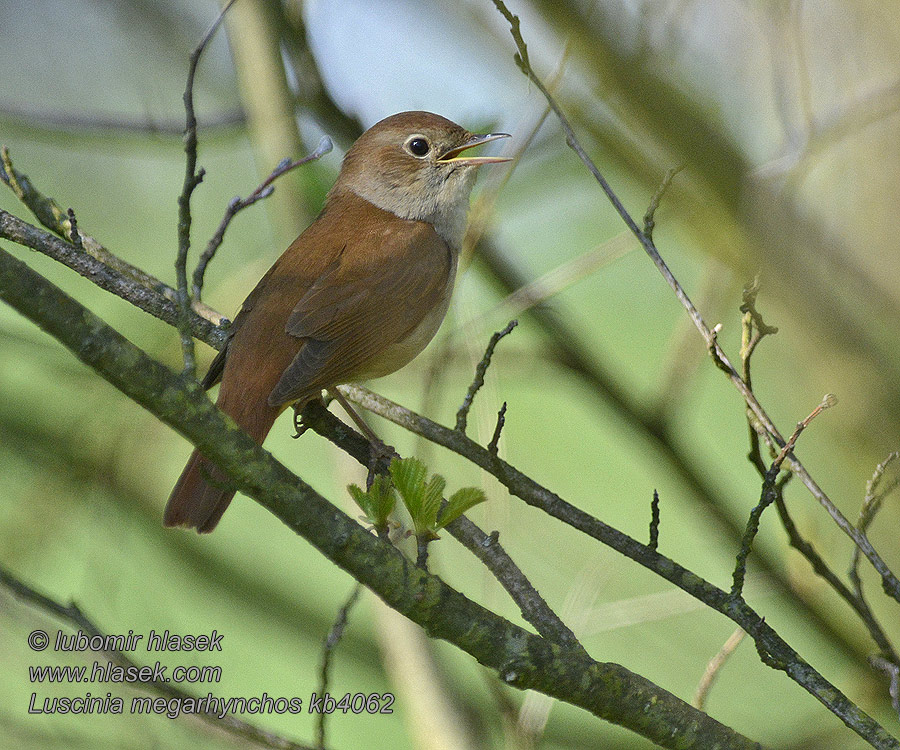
x: 770, y: 493
x: 263, y: 190
x: 494, y: 445
x: 654, y: 522
x: 149, y: 299
x: 463, y: 413
x: 331, y: 642
x: 48, y: 212
x: 714, y: 667
x: 649, y: 222
x: 890, y: 581
x: 192, y: 178
x: 828, y: 401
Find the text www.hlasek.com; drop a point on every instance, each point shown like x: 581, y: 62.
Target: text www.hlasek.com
x: 108, y: 672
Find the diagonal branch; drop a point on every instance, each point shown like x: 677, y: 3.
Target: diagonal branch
x: 521, y: 659
x: 48, y: 212
x: 890, y: 582
x: 772, y: 648
x: 462, y: 415
x: 151, y: 299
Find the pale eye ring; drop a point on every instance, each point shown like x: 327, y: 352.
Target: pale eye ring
x: 418, y: 146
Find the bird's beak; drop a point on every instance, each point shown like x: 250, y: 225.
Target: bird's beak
x: 474, y: 140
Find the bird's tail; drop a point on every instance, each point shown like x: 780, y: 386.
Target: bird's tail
x: 203, y: 491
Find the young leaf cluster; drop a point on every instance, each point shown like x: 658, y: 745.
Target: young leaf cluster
x: 377, y: 503
x: 421, y: 496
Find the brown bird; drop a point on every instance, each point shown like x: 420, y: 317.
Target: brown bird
x: 356, y: 296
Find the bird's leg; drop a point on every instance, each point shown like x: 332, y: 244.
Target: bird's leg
x: 380, y: 452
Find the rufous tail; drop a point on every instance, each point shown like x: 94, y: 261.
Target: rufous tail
x: 203, y: 491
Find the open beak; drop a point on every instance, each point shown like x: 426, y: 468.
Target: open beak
x: 474, y: 140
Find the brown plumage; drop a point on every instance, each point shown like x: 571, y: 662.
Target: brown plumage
x: 356, y: 296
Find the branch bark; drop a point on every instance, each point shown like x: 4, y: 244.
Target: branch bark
x: 521, y: 659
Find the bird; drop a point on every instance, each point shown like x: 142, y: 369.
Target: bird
x: 356, y: 296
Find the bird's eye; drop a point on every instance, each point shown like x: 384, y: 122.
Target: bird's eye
x: 418, y: 146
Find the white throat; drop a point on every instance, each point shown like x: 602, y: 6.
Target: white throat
x: 443, y: 204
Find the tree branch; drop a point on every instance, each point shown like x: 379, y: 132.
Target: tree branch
x: 773, y: 649
x: 152, y: 300
x: 463, y: 414
x: 48, y: 212
x: 236, y: 205
x: 192, y: 178
x: 890, y: 582
x: 521, y: 659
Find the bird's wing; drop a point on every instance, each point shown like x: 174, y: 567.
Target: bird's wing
x: 370, y: 297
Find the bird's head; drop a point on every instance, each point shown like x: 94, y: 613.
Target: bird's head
x: 415, y: 165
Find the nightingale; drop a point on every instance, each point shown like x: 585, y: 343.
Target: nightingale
x: 356, y: 296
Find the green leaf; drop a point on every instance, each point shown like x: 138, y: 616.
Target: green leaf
x: 378, y: 502
x: 431, y: 501
x: 459, y: 503
x: 361, y: 498
x: 423, y: 500
x: 409, y: 479
x: 383, y: 497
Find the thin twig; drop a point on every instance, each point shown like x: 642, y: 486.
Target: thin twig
x: 649, y: 222
x: 714, y: 667
x: 753, y: 330
x: 827, y: 402
x: 872, y: 503
x: 654, y: 522
x: 263, y: 190
x: 494, y: 445
x: 328, y: 647
x: 890, y: 581
x: 72, y: 614
x: 768, y: 496
x: 192, y: 178
x: 480, y: 370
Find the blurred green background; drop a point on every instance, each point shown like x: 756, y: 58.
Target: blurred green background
x: 786, y: 117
